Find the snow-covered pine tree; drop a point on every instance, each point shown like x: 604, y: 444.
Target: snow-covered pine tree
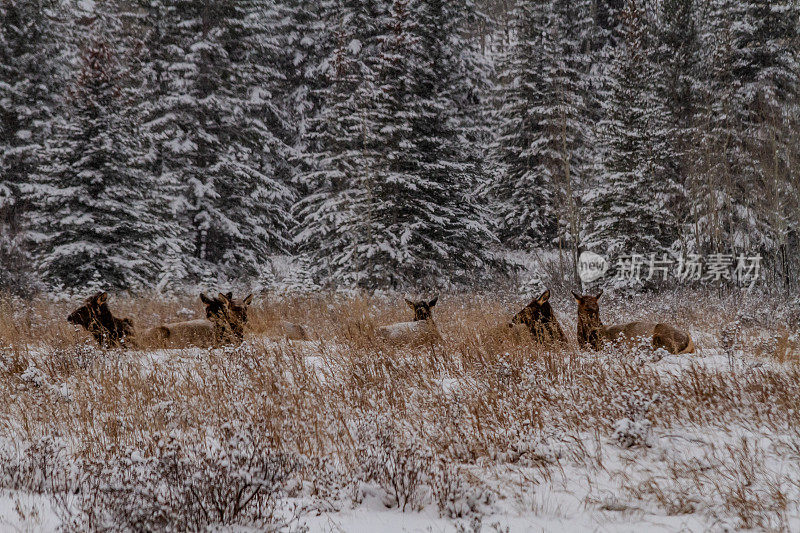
x: 29, y: 78
x: 744, y: 192
x: 393, y: 170
x: 92, y: 219
x: 150, y: 35
x: 628, y: 212
x: 604, y: 39
x: 544, y: 146
x: 607, y: 17
x: 716, y: 128
x: 217, y: 131
x: 449, y: 237
x: 568, y: 126
x: 524, y: 185
x: 333, y: 231
x: 308, y: 41
x: 676, y: 55
x: 255, y: 192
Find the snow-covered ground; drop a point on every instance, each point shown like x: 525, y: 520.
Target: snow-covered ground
x: 466, y: 437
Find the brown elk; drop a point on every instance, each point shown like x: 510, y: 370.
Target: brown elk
x: 95, y: 316
x: 224, y: 324
x: 230, y: 316
x: 236, y: 316
x: 287, y: 330
x: 592, y: 333
x: 539, y: 318
x: 422, y: 330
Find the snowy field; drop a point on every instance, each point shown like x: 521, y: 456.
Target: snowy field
x: 345, y: 433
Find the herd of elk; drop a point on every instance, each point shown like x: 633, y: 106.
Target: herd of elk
x: 224, y: 324
x: 543, y: 325
x: 226, y: 318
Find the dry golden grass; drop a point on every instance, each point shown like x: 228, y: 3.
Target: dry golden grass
x: 361, y: 372
x: 471, y: 399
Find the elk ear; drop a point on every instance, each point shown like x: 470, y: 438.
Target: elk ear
x: 205, y: 299
x: 433, y: 302
x: 229, y: 296
x: 576, y: 296
x: 248, y: 300
x: 224, y: 300
x: 599, y: 294
x: 544, y: 297
x: 101, y: 298
x: 409, y: 302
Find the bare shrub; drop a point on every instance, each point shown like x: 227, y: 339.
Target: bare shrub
x: 41, y: 467
x: 393, y: 457
x: 459, y: 497
x: 326, y: 482
x: 171, y: 485
x: 634, y: 429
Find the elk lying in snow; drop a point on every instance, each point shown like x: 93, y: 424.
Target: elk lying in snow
x: 224, y: 324
x: 229, y: 317
x: 285, y: 329
x: 95, y: 316
x: 281, y: 328
x: 292, y: 331
x: 592, y: 332
x: 539, y: 318
x: 422, y: 330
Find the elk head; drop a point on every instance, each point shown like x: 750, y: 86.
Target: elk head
x: 536, y: 313
x: 95, y: 316
x: 227, y: 314
x: 589, y: 323
x: 422, y: 308
x: 88, y: 315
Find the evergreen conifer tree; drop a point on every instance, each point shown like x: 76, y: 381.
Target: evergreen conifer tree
x: 93, y: 219
x: 629, y: 210
x: 30, y: 74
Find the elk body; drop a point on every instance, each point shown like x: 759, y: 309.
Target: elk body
x: 108, y: 330
x: 540, y: 320
x: 285, y: 329
x: 593, y: 334
x: 199, y: 333
x: 292, y: 331
x: 422, y: 330
x: 224, y: 324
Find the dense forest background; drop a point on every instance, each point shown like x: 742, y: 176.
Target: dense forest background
x: 390, y: 143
